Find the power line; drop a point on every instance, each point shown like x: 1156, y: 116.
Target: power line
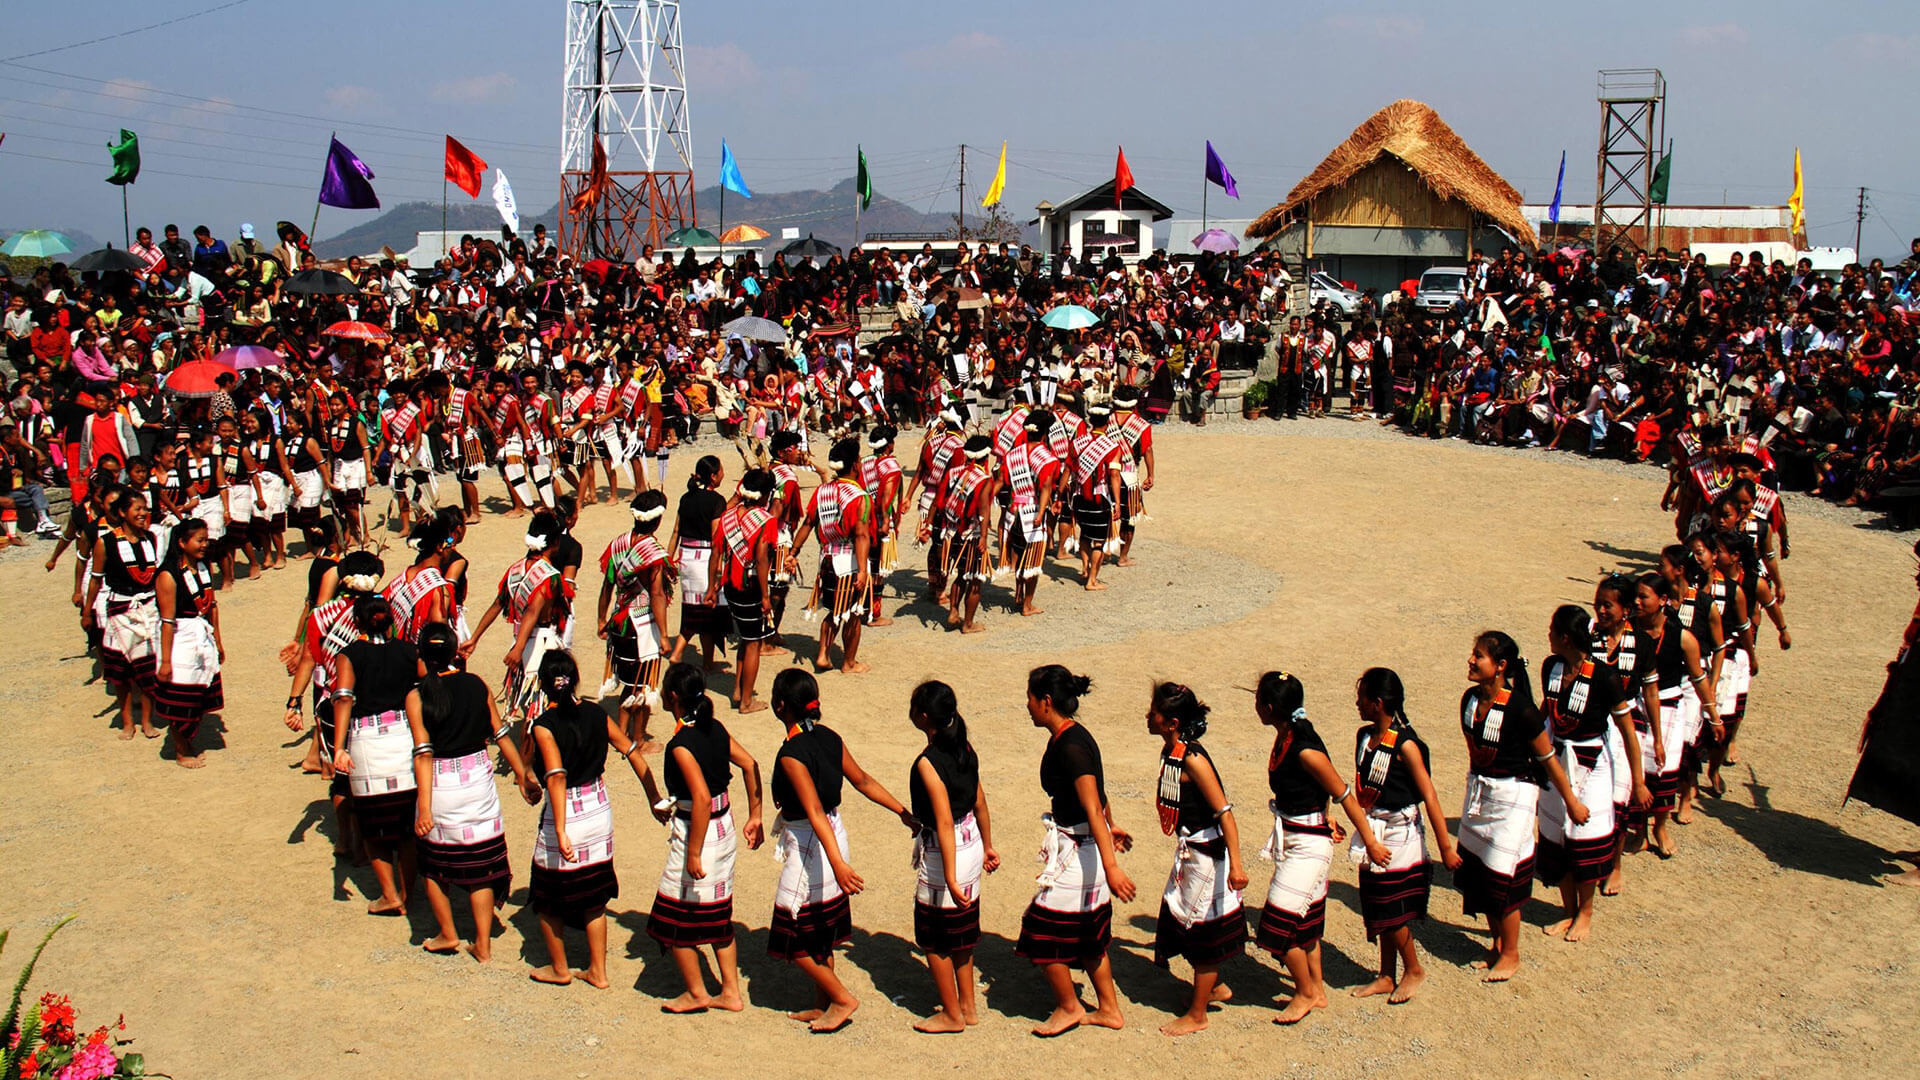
x: 125, y: 33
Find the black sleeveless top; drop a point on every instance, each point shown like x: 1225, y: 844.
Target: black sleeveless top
x: 711, y: 748
x: 463, y: 728
x: 383, y: 673
x: 1196, y: 812
x: 303, y: 460
x: 818, y: 750
x: 233, y: 467
x: 315, y: 572
x: 1668, y: 656
x: 962, y: 784
x: 1585, y: 719
x: 130, y: 565
x: 1070, y: 755
x: 1295, y: 791
x: 192, y: 591
x: 1510, y: 756
x: 579, y: 730
x: 1397, y: 790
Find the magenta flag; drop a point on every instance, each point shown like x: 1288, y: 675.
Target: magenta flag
x: 1217, y: 172
x: 345, y: 183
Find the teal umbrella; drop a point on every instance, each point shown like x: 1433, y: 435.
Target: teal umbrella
x: 36, y: 243
x: 692, y: 236
x: 1070, y: 317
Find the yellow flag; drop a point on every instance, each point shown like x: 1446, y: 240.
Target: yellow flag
x: 1797, y: 204
x: 999, y: 179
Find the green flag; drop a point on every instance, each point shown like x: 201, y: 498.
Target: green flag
x: 863, y: 181
x: 126, y: 158
x: 1546, y: 347
x: 1662, y: 176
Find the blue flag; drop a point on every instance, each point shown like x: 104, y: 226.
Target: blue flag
x: 730, y: 172
x: 1553, y: 212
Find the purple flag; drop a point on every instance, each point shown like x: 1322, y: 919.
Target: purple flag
x: 1217, y: 172
x: 345, y: 184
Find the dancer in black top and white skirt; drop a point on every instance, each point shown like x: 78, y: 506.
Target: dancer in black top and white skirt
x: 953, y: 850
x: 1200, y: 912
x: 376, y: 727
x: 1301, y: 776
x: 1069, y: 923
x: 1581, y: 700
x: 573, y: 876
x: 694, y: 904
x: 187, y: 679
x: 1678, y: 689
x: 692, y: 550
x: 462, y: 837
x: 1508, y: 746
x: 120, y: 583
x: 1393, y: 782
x: 811, y: 914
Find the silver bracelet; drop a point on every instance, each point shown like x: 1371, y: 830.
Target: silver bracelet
x: 502, y: 733
x: 424, y: 749
x: 550, y: 773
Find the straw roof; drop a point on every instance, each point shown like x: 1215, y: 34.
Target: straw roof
x: 1413, y: 133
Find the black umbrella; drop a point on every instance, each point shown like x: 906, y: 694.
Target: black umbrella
x: 321, y: 283
x: 108, y: 258
x: 808, y: 248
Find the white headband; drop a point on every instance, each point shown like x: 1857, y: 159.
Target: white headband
x: 644, y: 516
x: 536, y: 542
x: 875, y: 441
x: 976, y: 455
x: 362, y: 583
x: 752, y: 494
x: 951, y: 416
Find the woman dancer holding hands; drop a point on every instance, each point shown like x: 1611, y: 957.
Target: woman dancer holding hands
x: 1508, y: 746
x: 187, y: 680
x: 811, y: 914
x: 1392, y: 780
x: 1302, y: 778
x: 1200, y: 913
x: 462, y: 838
x: 1069, y: 923
x: 694, y: 905
x: 954, y: 848
x: 377, y: 730
x: 573, y: 876
x: 120, y: 599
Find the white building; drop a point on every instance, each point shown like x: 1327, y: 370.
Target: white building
x: 1091, y: 223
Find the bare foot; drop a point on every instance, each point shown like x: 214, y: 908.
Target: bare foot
x: 1910, y: 879
x: 1105, y: 1019
x: 518, y: 512
x: 387, y: 907
x: 730, y: 1001
x: 972, y: 628
x: 1582, y: 926
x: 1558, y: 929
x: 480, y: 952
x: 1184, y: 1025
x: 126, y: 734
x: 545, y: 973
x: 953, y: 618
x: 853, y: 667
x: 192, y: 761
x: 149, y: 732
x: 1503, y: 969
x: 441, y: 945
x: 753, y: 706
x: 1381, y: 985
x: 1061, y: 1021
x: 597, y: 980
x: 1409, y: 984
x: 835, y: 1018
x: 1612, y: 886
x: 1031, y: 611
x: 941, y: 1024
x: 1297, y: 1009
x: 1095, y: 586
x: 1124, y: 561
x: 687, y: 1003
x: 806, y: 1016
x: 881, y: 620
x: 1222, y: 993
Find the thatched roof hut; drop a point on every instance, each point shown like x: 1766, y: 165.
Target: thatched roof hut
x: 1365, y: 181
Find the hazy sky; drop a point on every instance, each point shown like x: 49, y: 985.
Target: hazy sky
x: 234, y: 107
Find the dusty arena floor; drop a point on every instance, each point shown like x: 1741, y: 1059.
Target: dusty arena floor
x: 213, y: 915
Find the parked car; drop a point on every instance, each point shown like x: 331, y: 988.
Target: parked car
x: 1323, y: 287
x: 1441, y: 288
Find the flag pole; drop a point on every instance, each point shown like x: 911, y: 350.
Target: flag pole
x: 315, y: 227
x: 861, y: 157
x: 443, y: 214
x: 126, y: 218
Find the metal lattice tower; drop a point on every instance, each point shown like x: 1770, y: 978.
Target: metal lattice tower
x: 625, y: 85
x: 1633, y: 125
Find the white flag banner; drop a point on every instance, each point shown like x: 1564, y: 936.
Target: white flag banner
x: 503, y: 201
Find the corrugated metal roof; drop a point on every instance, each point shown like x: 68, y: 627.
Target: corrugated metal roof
x: 1678, y: 217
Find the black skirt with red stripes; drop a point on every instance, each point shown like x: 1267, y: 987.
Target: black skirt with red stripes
x: 945, y: 931
x: 1203, y: 943
x: 1075, y: 938
x: 1391, y: 899
x: 681, y: 924
x: 177, y: 703
x: 385, y: 817
x: 1585, y: 861
x: 1281, y: 930
x: 127, y: 674
x: 468, y: 866
x: 812, y: 932
x: 573, y: 896
x: 1485, y: 892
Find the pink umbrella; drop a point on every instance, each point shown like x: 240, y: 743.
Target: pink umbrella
x: 1218, y: 241
x: 243, y: 357
x: 358, y: 331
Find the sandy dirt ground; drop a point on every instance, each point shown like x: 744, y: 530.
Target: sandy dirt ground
x: 213, y: 915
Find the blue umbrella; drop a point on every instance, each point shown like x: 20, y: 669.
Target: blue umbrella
x: 36, y: 243
x: 1218, y: 241
x: 1070, y: 317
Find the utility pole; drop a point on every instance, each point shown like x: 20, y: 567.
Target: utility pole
x: 960, y: 229
x: 1859, y: 217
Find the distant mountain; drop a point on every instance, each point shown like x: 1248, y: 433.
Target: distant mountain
x: 828, y: 215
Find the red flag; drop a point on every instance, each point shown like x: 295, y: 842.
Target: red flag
x: 597, y: 181
x: 464, y: 168
x: 1122, y: 178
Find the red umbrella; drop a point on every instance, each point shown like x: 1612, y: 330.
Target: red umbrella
x: 195, y: 378
x: 358, y: 331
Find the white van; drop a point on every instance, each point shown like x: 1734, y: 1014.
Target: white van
x: 1441, y: 288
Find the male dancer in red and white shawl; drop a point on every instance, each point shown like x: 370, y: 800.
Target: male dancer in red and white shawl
x: 1097, y: 492
x: 842, y: 514
x: 1030, y: 481
x: 1136, y: 435
x: 881, y: 478
x: 940, y: 452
